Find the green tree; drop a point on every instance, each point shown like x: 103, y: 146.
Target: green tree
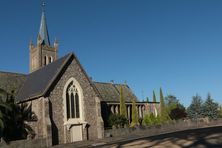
x: 163, y: 110
x: 3, y: 115
x: 195, y: 110
x: 147, y: 106
x: 19, y: 114
x: 154, y: 96
x: 171, y: 102
x: 154, y: 100
x: 134, y: 114
x: 220, y: 112
x: 14, y: 117
x: 4, y: 109
x: 175, y: 109
x: 147, y: 100
x: 210, y: 108
x: 122, y: 104
x: 178, y: 113
x: 162, y: 104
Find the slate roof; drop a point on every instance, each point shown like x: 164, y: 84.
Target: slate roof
x: 38, y: 82
x: 127, y: 92
x: 43, y: 30
x: 11, y: 81
x: 111, y: 92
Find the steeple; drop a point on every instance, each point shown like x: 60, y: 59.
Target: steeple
x: 42, y: 54
x: 43, y: 31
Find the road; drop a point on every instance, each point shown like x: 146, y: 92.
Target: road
x: 198, y: 138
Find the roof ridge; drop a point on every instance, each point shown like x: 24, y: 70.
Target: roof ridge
x: 58, y: 71
x: 13, y: 73
x: 102, y: 82
x: 110, y: 83
x: 84, y: 72
x: 121, y: 84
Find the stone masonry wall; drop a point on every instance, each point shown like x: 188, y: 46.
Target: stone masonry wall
x: 37, y: 126
x: 56, y: 100
x: 42, y: 127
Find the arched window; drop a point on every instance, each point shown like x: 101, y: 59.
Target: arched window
x: 72, y: 101
x: 50, y: 59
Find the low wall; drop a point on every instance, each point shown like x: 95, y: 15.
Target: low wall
x: 165, y: 128
x: 34, y: 143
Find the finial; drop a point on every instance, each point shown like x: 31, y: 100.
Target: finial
x: 30, y: 42
x: 43, y: 31
x: 56, y: 44
x: 43, y: 6
x: 31, y: 45
x: 56, y: 41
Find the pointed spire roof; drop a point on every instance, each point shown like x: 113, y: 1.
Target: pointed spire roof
x: 43, y: 31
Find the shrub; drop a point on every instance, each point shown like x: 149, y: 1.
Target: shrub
x: 147, y: 120
x: 117, y: 120
x: 177, y: 113
x: 151, y: 120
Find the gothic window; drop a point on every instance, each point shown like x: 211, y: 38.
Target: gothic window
x: 72, y: 101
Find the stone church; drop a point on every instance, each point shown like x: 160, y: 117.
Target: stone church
x: 68, y: 105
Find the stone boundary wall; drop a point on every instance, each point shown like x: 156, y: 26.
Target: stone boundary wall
x: 161, y: 129
x: 34, y: 143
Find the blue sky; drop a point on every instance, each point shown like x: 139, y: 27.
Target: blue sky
x: 173, y: 44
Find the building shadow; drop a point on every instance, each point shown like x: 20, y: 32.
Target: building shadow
x: 55, y: 135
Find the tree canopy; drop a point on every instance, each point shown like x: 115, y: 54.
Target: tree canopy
x: 200, y: 109
x: 175, y: 109
x: 135, y: 118
x: 195, y: 110
x: 210, y: 108
x: 154, y: 96
x: 122, y: 104
x: 163, y: 110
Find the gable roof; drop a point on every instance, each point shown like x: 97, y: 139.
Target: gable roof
x: 11, y: 81
x: 111, y: 92
x: 38, y: 82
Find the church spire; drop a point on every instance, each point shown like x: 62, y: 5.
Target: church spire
x: 42, y: 54
x: 43, y: 31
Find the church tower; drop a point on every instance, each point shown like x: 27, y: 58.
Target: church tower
x: 43, y: 54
